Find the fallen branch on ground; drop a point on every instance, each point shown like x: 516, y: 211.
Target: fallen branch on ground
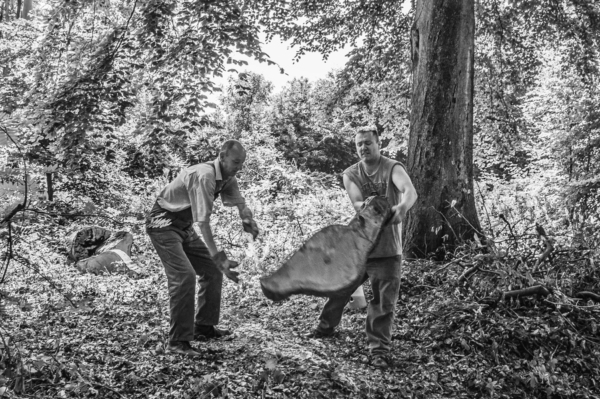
x: 467, y: 273
x: 587, y: 295
x: 510, y: 229
x: 454, y: 261
x: 529, y: 291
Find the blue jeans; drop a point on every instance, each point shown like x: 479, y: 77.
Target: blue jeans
x: 384, y: 274
x: 184, y: 255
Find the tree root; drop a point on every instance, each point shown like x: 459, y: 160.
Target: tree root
x: 529, y: 291
x: 467, y: 273
x: 587, y: 295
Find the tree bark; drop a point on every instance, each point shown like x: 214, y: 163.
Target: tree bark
x: 4, y: 10
x: 440, y: 156
x: 50, y: 187
x: 27, y: 7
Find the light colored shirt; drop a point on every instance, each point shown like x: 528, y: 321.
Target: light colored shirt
x: 197, y: 187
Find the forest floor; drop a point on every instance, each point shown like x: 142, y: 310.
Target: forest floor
x: 73, y: 335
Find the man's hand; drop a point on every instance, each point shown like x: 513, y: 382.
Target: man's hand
x: 250, y: 227
x: 225, y: 265
x: 399, y: 213
x: 248, y: 221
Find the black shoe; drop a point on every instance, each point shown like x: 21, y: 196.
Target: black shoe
x: 316, y: 334
x: 181, y: 348
x: 203, y: 333
x: 381, y: 361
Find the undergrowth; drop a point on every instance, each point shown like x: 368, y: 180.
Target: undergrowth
x: 457, y: 333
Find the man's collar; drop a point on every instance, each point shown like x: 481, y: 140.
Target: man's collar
x: 218, y: 175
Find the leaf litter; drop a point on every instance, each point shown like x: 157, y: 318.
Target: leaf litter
x: 104, y: 336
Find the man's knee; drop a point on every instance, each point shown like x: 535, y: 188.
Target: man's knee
x: 217, y: 277
x: 183, y: 282
x: 387, y: 291
x: 214, y: 276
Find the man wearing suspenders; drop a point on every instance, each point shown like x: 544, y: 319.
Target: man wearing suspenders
x: 189, y: 199
x: 375, y: 175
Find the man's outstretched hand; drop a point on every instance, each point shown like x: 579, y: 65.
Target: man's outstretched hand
x: 399, y: 213
x: 225, y: 265
x: 251, y: 227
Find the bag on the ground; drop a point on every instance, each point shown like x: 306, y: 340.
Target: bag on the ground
x: 86, y: 241
x: 97, y: 250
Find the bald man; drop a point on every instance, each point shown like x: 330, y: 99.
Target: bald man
x: 189, y: 199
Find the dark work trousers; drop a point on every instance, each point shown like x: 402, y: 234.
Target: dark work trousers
x: 184, y: 255
x: 384, y: 274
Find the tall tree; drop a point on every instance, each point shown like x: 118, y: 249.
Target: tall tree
x: 441, y: 123
x: 440, y: 150
x: 441, y: 133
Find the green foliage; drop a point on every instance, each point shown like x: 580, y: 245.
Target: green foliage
x: 546, y: 170
x: 378, y: 29
x: 374, y: 86
x: 308, y: 129
x: 245, y: 103
x: 446, y: 343
x: 116, y: 93
x: 92, y: 66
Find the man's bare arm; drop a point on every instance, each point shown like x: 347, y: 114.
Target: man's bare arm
x: 409, y: 195
x: 207, y: 234
x: 224, y: 265
x: 244, y: 211
x: 354, y: 193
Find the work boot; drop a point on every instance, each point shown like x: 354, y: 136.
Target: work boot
x: 181, y: 348
x: 381, y: 361
x: 203, y: 333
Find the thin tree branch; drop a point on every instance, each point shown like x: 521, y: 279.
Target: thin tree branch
x: 512, y: 234
x: 9, y: 253
x: 124, y: 32
x: 53, y: 214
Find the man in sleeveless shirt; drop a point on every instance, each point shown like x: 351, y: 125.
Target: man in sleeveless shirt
x: 186, y: 200
x: 375, y: 175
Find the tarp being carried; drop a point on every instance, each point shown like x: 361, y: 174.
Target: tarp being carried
x: 333, y: 261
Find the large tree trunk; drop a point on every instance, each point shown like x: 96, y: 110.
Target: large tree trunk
x: 27, y: 7
x: 440, y: 153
